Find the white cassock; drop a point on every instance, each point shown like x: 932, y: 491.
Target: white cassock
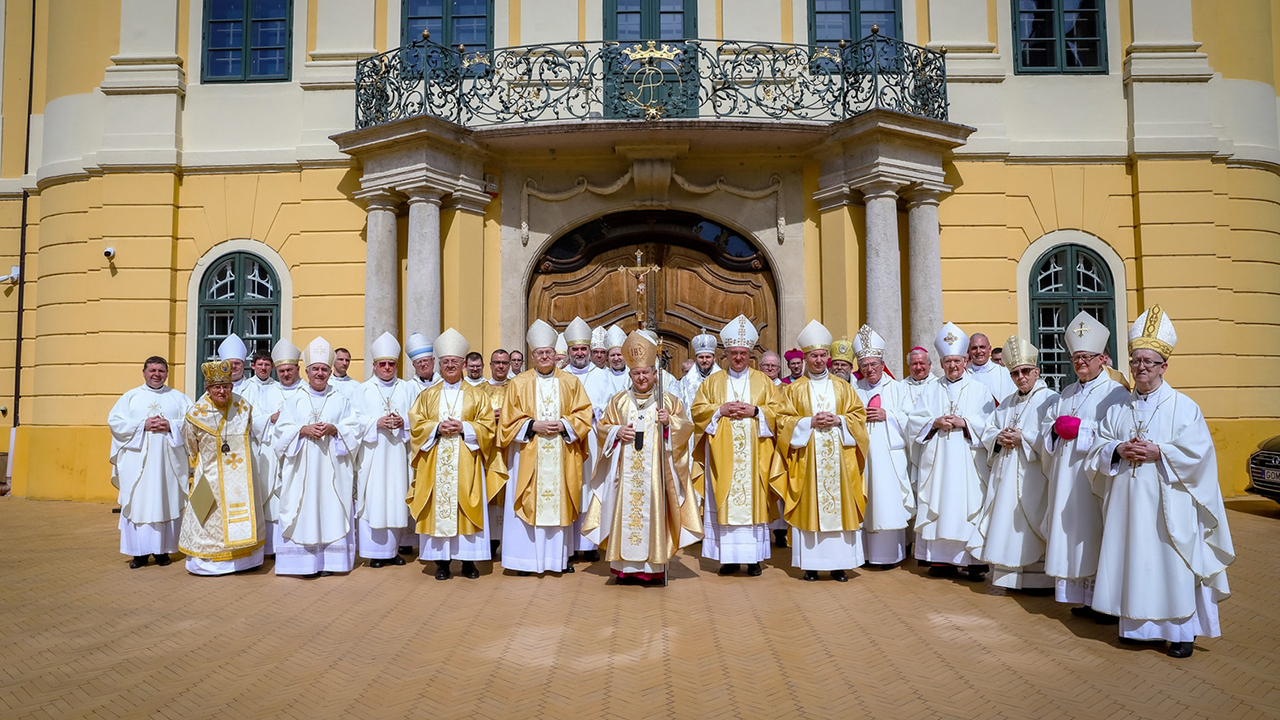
x: 995, y: 377
x: 150, y: 469
x: 732, y: 544
x: 953, y: 469
x: 834, y: 549
x: 424, y: 384
x: 382, y: 469
x: 1165, y: 541
x: 473, y: 547
x: 912, y: 392
x: 1008, y: 533
x: 348, y: 386
x: 258, y: 384
x: 1072, y: 528
x: 596, y: 383
x: 890, y: 500
x: 267, y: 401
x: 317, y: 483
x: 475, y: 382
x: 245, y: 387
x: 689, y: 384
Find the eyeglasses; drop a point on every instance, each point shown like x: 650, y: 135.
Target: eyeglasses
x: 1139, y: 363
x: 1084, y: 357
x: 1019, y: 372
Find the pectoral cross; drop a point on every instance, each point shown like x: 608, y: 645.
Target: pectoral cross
x: 641, y: 273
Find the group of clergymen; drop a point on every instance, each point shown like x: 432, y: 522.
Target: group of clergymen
x: 1106, y: 496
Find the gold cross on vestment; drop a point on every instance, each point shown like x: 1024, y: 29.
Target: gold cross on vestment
x: 1081, y: 330
x: 950, y: 338
x: 234, y: 461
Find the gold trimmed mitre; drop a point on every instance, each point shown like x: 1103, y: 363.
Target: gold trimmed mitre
x: 814, y: 336
x: 868, y: 343
x: 216, y: 372
x: 1153, y: 330
x: 1019, y: 352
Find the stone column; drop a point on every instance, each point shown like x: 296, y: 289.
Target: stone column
x: 924, y: 268
x: 883, y: 269
x: 381, y: 274
x: 422, y: 283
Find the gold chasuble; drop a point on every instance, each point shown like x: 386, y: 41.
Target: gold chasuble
x: 640, y: 511
x: 742, y: 465
x: 223, y: 519
x: 447, y: 497
x: 825, y: 490
x: 548, y: 487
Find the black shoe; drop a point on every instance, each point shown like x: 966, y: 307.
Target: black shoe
x: 378, y: 563
x: 1104, y: 619
x: 839, y: 576
x: 976, y: 573
x: 397, y: 560
x: 523, y: 573
x: 568, y: 569
x: 1180, y: 649
x: 405, y: 550
x: 942, y: 571
x: 730, y: 568
x: 754, y: 570
x: 442, y: 570
x: 469, y: 570
x: 780, y: 538
x: 493, y: 548
x: 591, y: 556
x: 138, y: 561
x: 325, y: 573
x: 162, y: 559
x: 810, y: 576
x: 1082, y: 611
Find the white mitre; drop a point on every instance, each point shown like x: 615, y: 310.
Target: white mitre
x: 540, y: 335
x: 318, y: 351
x: 600, y: 338
x: 814, y: 336
x: 578, y: 333
x: 285, y: 353
x: 232, y: 348
x: 452, y: 344
x: 1085, y: 334
x: 951, y: 340
x: 617, y: 336
x: 386, y: 347
x: 418, y: 346
x: 868, y: 343
x: 1153, y: 330
x: 562, y: 345
x: 703, y: 342
x: 739, y: 333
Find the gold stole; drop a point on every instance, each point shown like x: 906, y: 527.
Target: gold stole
x: 638, y: 467
x: 744, y: 461
x: 234, y: 473
x: 827, y: 447
x: 447, y: 449
x: 547, y: 483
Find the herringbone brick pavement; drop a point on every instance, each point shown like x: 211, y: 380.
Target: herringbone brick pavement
x: 81, y: 635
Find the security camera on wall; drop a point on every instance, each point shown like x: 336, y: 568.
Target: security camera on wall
x: 109, y: 253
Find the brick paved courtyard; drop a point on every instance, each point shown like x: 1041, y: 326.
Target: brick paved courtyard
x: 81, y: 635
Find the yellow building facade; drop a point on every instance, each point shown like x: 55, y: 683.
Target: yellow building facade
x: 1156, y: 159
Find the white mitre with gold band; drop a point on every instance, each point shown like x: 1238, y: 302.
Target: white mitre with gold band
x: 617, y: 336
x: 1153, y: 330
x: 739, y: 333
x: 814, y: 336
x: 1019, y: 352
x: 703, y: 342
x: 232, y: 348
x: 285, y: 353
x: 541, y: 335
x: 640, y: 351
x: 600, y: 338
x: 868, y: 343
x: 562, y: 345
x: 452, y: 344
x: 578, y: 333
x: 951, y: 340
x: 386, y: 347
x: 1085, y: 334
x: 318, y: 352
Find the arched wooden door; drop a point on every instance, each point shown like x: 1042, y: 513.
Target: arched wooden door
x: 707, y: 275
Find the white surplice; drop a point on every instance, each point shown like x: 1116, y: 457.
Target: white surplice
x: 994, y: 377
x: 149, y: 468
x: 317, y: 484
x: 891, y: 503
x: 445, y: 548
x: 1166, y: 545
x: 1008, y: 530
x: 953, y: 469
x: 732, y: 544
x: 1072, y: 528
x: 382, y: 468
x: 912, y: 392
x: 690, y: 383
x: 268, y: 400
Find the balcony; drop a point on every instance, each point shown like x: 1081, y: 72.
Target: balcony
x: 650, y: 81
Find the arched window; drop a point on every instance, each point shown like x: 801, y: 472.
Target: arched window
x: 239, y: 294
x: 1066, y: 280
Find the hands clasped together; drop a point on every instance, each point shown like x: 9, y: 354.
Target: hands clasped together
x: 1139, y: 451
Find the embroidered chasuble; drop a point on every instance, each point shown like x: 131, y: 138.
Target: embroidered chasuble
x: 641, y: 510
x: 548, y: 482
x: 224, y: 518
x: 451, y: 474
x: 742, y: 465
x: 824, y: 490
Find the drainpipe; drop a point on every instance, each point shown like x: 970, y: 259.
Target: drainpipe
x: 22, y: 253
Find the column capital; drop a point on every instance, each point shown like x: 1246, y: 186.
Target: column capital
x: 877, y: 189
x: 923, y: 195
x: 379, y: 200
x: 829, y: 198
x: 468, y: 199
x: 423, y: 194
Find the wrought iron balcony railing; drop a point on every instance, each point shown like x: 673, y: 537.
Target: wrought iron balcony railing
x: 650, y: 80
